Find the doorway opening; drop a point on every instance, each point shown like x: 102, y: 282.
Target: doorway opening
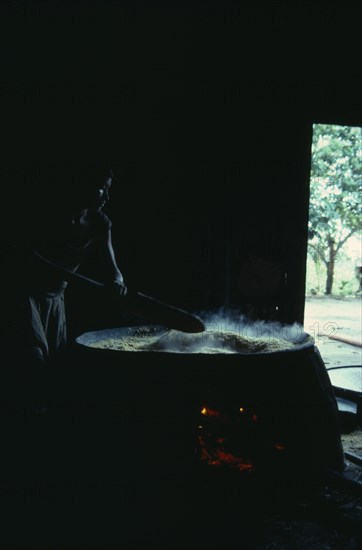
x: 333, y: 293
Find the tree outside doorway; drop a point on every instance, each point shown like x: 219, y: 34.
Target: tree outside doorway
x: 334, y: 260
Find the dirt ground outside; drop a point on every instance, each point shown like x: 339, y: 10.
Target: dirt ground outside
x: 326, y: 317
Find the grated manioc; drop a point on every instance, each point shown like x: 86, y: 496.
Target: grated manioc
x: 206, y: 342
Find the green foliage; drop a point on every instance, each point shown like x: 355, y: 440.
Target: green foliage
x: 345, y: 288
x: 335, y: 192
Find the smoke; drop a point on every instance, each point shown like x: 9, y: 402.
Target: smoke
x: 226, y: 320
x: 229, y: 332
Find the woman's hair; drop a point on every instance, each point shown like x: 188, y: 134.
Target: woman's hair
x: 91, y: 175
x: 50, y: 181
x: 53, y: 193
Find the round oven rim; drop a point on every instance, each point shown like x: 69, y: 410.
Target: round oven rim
x: 307, y: 345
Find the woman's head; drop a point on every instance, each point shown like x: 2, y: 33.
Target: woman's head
x: 57, y: 193
x: 91, y: 186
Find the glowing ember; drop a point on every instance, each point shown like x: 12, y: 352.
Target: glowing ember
x: 218, y: 457
x: 210, y: 412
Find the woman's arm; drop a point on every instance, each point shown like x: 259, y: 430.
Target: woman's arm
x: 114, y: 275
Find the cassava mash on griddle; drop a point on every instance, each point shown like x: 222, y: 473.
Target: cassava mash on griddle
x: 211, y: 341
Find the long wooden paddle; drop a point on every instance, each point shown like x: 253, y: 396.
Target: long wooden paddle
x: 135, y: 303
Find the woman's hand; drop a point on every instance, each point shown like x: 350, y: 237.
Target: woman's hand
x: 118, y: 288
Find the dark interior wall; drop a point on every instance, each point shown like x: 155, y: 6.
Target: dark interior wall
x: 205, y: 110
